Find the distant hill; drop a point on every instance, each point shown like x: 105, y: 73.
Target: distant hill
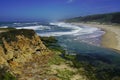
x: 102, y: 18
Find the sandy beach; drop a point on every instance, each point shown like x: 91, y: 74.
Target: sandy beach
x: 111, y: 39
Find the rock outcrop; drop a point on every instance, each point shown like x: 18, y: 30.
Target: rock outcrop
x: 18, y: 47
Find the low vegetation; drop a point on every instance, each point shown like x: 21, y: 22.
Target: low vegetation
x: 51, y: 43
x: 97, y: 70
x: 11, y: 35
x: 4, y: 75
x: 65, y: 74
x: 101, y: 18
x: 60, y: 66
x: 92, y: 68
x: 6, y: 29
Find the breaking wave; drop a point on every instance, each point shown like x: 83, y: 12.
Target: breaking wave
x: 75, y: 30
x: 40, y: 27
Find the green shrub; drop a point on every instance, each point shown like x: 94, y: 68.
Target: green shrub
x: 7, y: 76
x: 4, y: 75
x: 65, y: 74
x: 56, y: 59
x: 101, y: 18
x: 11, y: 35
x: 7, y: 29
x: 51, y: 43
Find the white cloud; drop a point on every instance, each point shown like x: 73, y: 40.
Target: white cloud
x: 70, y: 1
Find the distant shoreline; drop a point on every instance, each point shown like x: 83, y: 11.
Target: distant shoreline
x: 111, y: 39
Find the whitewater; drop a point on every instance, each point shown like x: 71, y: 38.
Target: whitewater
x: 84, y: 34
x: 63, y: 29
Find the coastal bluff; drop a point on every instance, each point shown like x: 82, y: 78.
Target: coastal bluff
x: 20, y: 49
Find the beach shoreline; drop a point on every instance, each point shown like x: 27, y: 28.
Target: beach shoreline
x: 111, y: 38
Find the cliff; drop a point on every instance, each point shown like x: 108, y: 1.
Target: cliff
x: 20, y: 49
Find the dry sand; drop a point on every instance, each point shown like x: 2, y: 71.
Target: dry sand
x: 111, y: 39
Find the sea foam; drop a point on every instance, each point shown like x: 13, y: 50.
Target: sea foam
x: 75, y: 29
x: 3, y: 26
x: 39, y: 27
x: 72, y: 29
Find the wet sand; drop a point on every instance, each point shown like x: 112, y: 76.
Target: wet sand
x: 111, y: 39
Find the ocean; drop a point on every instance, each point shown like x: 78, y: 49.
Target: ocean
x: 74, y: 39
x: 83, y: 34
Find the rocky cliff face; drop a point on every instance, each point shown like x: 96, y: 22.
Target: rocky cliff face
x: 18, y: 47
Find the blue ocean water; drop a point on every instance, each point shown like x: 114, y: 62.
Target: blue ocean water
x: 83, y: 40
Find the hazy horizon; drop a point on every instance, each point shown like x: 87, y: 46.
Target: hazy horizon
x: 52, y: 10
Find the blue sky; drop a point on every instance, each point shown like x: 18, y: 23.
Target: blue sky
x: 23, y: 10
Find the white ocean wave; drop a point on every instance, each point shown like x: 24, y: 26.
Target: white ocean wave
x: 75, y: 29
x: 88, y: 30
x: 58, y: 33
x: 16, y: 23
x: 3, y: 26
x: 26, y: 23
x: 40, y: 27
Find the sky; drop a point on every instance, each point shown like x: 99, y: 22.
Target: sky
x: 35, y: 10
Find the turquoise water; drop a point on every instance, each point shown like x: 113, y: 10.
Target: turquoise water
x: 97, y: 52
x: 81, y: 40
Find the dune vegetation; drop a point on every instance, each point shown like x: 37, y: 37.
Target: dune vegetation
x: 101, y: 18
